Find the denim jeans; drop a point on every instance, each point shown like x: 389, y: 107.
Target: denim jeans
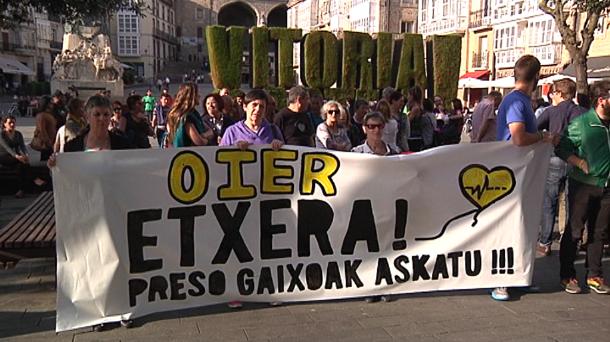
x: 555, y: 180
x: 590, y: 204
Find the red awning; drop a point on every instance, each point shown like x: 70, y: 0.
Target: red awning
x: 475, y: 74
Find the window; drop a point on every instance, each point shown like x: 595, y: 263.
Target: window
x: 601, y: 25
x: 199, y: 32
x: 128, y: 22
x: 406, y: 26
x: 541, y: 32
x: 129, y: 45
x: 128, y: 33
x: 445, y: 8
x: 504, y: 38
x: 424, y: 10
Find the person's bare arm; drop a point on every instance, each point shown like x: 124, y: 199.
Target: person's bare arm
x: 196, y: 138
x: 520, y: 137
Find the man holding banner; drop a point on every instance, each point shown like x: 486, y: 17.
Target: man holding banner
x: 517, y: 122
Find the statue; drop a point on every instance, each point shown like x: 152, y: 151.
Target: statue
x: 86, y: 61
x: 91, y: 59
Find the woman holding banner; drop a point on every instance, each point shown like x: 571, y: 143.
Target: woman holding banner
x: 96, y: 137
x: 373, y: 125
x: 185, y: 126
x: 254, y: 130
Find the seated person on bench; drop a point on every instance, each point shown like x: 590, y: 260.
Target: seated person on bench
x: 13, y: 153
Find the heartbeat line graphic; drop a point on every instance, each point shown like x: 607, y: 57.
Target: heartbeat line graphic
x: 478, y: 190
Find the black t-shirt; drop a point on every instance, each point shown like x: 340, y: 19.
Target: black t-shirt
x: 296, y: 127
x: 117, y: 142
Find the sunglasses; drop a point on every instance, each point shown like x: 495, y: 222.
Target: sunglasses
x: 334, y: 111
x: 98, y: 114
x: 373, y: 126
x: 117, y: 109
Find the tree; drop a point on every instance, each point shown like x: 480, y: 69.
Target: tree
x: 567, y: 14
x: 17, y: 12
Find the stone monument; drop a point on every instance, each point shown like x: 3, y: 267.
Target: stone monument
x: 86, y: 63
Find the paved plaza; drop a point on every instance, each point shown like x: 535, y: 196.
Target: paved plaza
x: 27, y: 313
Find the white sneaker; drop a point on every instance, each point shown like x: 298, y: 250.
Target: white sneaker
x: 500, y: 293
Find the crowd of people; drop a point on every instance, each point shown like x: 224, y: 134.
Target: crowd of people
x: 395, y: 123
x: 580, y: 132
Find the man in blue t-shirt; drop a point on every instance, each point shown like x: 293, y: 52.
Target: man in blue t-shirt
x: 516, y: 120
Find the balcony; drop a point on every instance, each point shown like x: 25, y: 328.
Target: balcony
x: 480, y: 19
x: 17, y: 47
x: 547, y: 54
x: 507, y: 58
x: 480, y: 60
x: 165, y: 36
x: 444, y: 25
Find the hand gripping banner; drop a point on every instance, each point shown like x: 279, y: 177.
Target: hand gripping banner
x: 146, y: 231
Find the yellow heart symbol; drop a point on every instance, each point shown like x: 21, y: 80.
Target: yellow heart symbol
x: 483, y: 187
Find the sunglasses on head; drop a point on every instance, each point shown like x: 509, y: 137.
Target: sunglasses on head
x: 334, y: 111
x: 373, y: 126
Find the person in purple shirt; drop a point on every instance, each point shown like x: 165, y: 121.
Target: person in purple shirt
x: 516, y: 120
x: 254, y: 129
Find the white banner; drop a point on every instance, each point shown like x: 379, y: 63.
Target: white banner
x: 145, y: 231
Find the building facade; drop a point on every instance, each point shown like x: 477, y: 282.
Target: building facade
x: 495, y: 34
x: 27, y: 52
x: 146, y: 43
x: 370, y: 16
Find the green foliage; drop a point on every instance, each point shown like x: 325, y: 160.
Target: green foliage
x: 129, y: 76
x: 340, y: 95
x: 225, y: 49
x: 319, y: 60
x: 280, y: 96
x: 385, y: 53
x: 412, y: 68
x: 14, y: 12
x: 260, y: 57
x: 445, y: 71
x: 367, y: 94
x: 358, y: 52
x: 286, y: 38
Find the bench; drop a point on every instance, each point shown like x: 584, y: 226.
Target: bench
x: 31, y: 234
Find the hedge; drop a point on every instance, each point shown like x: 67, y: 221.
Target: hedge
x: 412, y: 68
x: 384, y: 56
x: 286, y: 38
x: 319, y: 49
x: 444, y: 72
x: 259, y: 54
x: 358, y: 52
x: 225, y: 48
